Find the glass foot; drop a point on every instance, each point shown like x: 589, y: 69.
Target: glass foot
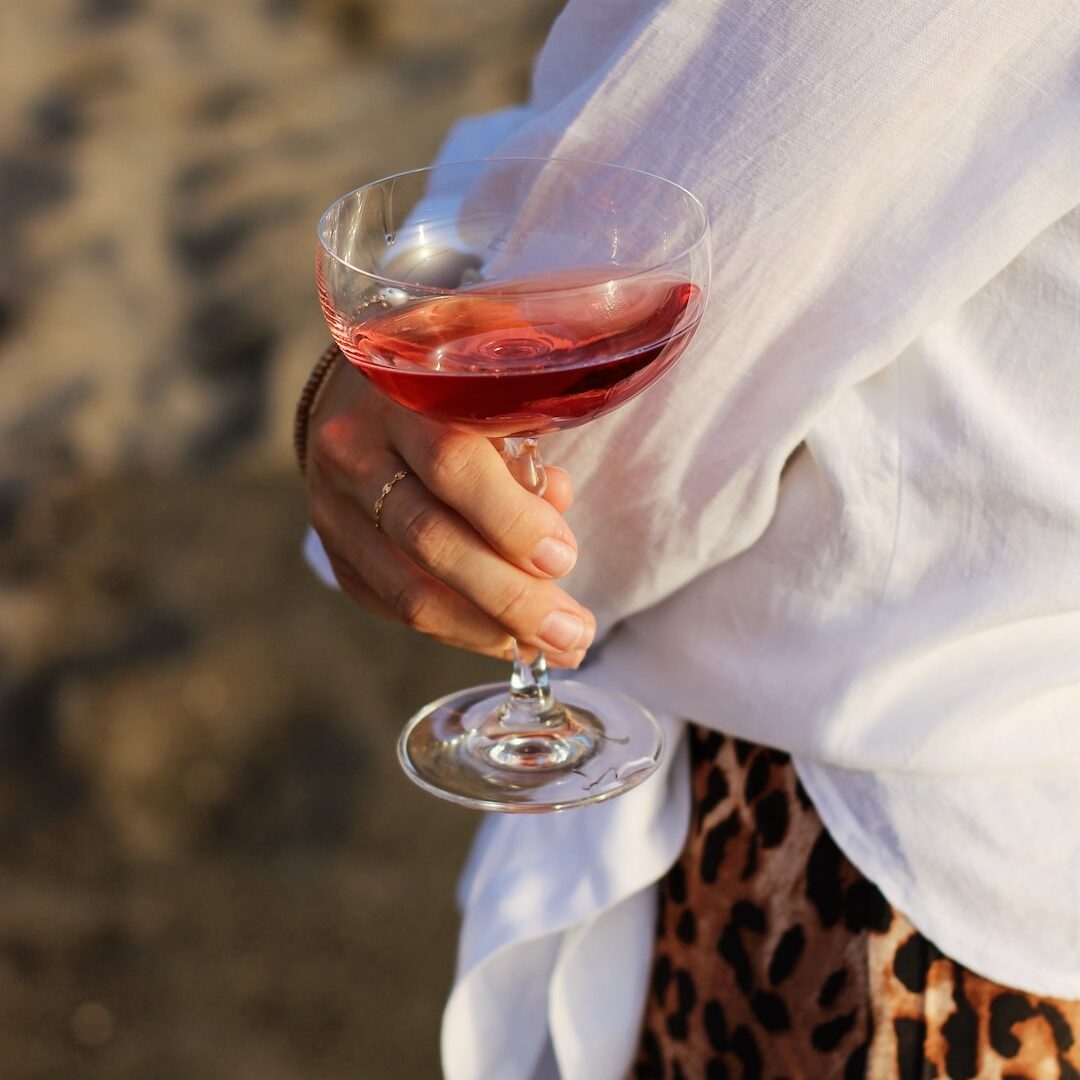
x: 592, y: 745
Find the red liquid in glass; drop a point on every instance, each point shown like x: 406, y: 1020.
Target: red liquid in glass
x: 530, y: 356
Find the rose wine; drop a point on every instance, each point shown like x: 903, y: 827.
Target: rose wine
x: 530, y: 356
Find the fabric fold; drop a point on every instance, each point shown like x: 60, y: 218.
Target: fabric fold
x: 557, y: 910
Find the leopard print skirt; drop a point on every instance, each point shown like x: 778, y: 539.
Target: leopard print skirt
x: 775, y: 958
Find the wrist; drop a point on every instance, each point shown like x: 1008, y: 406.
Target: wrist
x: 332, y: 383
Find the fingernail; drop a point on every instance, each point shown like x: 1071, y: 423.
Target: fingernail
x: 553, y: 557
x: 566, y: 660
x: 562, y: 631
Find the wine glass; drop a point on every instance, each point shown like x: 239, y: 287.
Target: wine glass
x: 511, y: 298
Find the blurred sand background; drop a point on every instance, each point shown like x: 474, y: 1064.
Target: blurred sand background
x: 210, y: 866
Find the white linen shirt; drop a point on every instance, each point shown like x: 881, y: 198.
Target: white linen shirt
x: 847, y: 523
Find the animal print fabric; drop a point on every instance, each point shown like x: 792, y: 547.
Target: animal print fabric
x: 775, y: 958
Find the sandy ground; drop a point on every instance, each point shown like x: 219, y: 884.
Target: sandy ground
x: 210, y: 866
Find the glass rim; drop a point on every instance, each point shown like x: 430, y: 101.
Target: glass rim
x: 701, y: 236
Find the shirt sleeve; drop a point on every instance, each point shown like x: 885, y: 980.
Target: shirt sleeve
x: 866, y: 168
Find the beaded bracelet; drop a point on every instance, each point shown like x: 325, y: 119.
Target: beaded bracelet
x: 308, y: 397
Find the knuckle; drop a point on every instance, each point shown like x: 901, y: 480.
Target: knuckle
x: 326, y: 448
x: 414, y: 606
x: 511, y: 604
x: 428, y: 536
x: 514, y: 523
x: 501, y: 531
x: 353, y: 589
x: 348, y: 579
x: 321, y: 520
x: 450, y: 458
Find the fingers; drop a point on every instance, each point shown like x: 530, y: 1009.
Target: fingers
x: 439, y: 541
x: 381, y: 579
x: 465, y: 555
x: 468, y: 474
x: 374, y: 572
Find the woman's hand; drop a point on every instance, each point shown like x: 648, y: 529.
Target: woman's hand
x: 464, y: 553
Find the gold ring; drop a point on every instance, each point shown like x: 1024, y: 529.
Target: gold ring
x: 386, y: 489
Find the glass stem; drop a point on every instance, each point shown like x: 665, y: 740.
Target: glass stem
x: 522, y: 457
x: 531, y: 700
x: 530, y: 691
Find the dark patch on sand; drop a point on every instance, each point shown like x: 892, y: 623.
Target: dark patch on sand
x: 105, y: 14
